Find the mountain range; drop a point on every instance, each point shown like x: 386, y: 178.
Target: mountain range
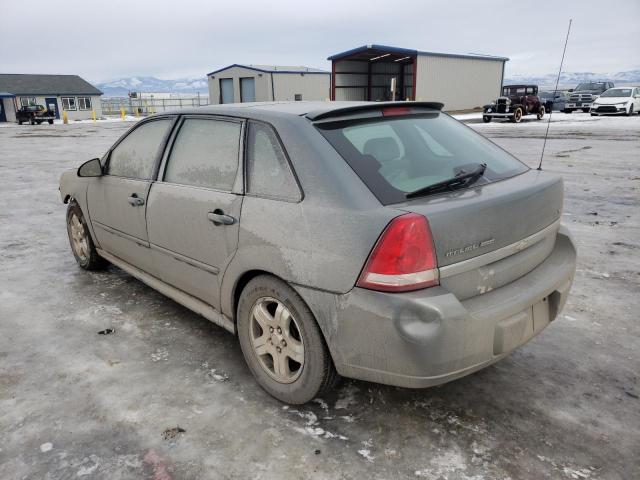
x: 571, y: 79
x: 193, y: 85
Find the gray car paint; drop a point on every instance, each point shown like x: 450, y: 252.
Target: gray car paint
x: 320, y: 244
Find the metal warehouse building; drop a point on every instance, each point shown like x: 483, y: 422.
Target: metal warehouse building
x: 70, y: 93
x: 459, y: 81
x: 264, y: 83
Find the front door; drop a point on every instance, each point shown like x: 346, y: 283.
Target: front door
x: 3, y: 116
x: 117, y: 201
x: 52, y: 104
x: 193, y: 212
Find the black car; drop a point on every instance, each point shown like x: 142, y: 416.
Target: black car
x: 35, y: 114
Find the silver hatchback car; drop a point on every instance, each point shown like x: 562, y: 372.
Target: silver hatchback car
x: 386, y: 242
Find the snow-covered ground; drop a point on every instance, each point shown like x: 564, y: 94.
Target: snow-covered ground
x: 76, y: 404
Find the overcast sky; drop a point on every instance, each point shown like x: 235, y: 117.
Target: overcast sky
x: 107, y: 39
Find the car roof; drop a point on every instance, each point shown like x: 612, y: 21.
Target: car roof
x: 310, y: 109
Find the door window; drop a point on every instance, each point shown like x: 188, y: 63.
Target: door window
x: 268, y: 171
x: 205, y: 154
x: 135, y: 156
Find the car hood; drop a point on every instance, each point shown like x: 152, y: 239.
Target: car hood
x: 611, y: 100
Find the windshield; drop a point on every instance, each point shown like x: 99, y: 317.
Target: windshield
x: 617, y: 92
x: 397, y: 155
x: 590, y: 86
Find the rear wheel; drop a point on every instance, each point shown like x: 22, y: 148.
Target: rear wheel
x: 517, y: 115
x: 82, y: 245
x: 19, y: 122
x: 282, y: 343
x: 486, y: 118
x: 50, y: 122
x: 32, y: 122
x: 541, y: 112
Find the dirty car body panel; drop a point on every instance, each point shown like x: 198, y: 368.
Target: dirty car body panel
x: 504, y: 263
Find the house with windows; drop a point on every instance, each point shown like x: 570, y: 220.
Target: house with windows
x: 59, y: 93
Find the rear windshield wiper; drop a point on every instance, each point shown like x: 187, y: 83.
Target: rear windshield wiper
x: 461, y: 180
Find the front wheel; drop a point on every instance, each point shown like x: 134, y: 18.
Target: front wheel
x: 517, y: 115
x: 282, y: 343
x: 486, y: 118
x: 82, y: 245
x: 630, y: 112
x: 541, y: 112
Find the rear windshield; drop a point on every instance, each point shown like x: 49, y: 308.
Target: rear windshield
x: 397, y: 155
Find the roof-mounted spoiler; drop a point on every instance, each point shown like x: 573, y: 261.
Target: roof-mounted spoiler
x: 391, y: 108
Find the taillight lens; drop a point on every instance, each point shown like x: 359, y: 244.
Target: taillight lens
x: 404, y: 258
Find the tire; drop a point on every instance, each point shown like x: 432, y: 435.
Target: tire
x: 630, y: 112
x: 80, y: 240
x: 594, y: 114
x: 585, y: 110
x: 285, y: 322
x: 567, y: 110
x: 517, y: 115
x: 32, y: 122
x: 19, y: 122
x: 39, y: 122
x: 541, y: 112
x: 50, y: 122
x: 486, y: 118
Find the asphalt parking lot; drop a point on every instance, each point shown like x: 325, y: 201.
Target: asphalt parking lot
x: 168, y: 396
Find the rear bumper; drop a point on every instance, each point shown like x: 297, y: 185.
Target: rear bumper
x: 429, y: 337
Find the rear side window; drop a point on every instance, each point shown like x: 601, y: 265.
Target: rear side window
x: 268, y: 171
x: 205, y: 154
x: 397, y: 155
x: 135, y: 156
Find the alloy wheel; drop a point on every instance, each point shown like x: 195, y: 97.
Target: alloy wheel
x: 276, y: 340
x: 79, y: 239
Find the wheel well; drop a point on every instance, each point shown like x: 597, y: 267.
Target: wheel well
x: 240, y: 284
x: 67, y: 198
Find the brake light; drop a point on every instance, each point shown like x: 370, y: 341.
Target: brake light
x: 404, y: 257
x: 394, y: 111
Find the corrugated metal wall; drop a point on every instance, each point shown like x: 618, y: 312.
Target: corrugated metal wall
x: 312, y: 86
x: 351, y: 79
x: 459, y: 83
x: 352, y: 85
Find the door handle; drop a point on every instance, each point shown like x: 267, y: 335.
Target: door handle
x: 218, y: 217
x: 135, y: 201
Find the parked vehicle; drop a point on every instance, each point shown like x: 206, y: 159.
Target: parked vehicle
x: 516, y: 101
x: 381, y: 241
x: 34, y: 114
x: 553, y: 100
x: 584, y: 94
x: 616, y: 101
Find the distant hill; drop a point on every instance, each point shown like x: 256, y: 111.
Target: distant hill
x: 122, y: 86
x: 571, y: 79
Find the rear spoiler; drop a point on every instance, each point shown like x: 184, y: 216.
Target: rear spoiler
x: 410, y: 107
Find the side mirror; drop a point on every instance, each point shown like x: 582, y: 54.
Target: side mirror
x: 91, y: 168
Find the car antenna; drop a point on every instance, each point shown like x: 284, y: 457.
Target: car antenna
x: 554, y: 94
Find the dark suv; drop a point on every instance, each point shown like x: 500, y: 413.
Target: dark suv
x: 515, y: 102
x: 584, y: 94
x: 34, y: 114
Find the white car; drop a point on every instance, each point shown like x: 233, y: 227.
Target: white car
x: 617, y: 101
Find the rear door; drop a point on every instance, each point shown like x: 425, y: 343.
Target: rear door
x: 194, y: 207
x: 117, y: 201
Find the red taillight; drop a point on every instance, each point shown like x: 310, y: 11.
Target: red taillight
x: 394, y: 111
x: 403, y: 259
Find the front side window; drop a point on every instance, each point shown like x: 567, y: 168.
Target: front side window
x: 205, y: 154
x: 268, y: 171
x: 135, y: 156
x: 397, y: 155
x: 69, y: 103
x: 27, y: 101
x: 84, y: 103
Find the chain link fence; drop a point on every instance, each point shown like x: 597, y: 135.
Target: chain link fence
x: 149, y: 105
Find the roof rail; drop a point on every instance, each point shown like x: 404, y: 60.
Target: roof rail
x: 354, y: 109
